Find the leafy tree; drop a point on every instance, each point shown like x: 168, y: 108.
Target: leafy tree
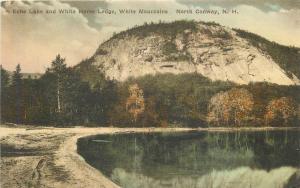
x: 281, y: 111
x: 70, y: 96
x: 150, y: 117
x: 218, y: 109
x: 233, y: 106
x: 241, y: 104
x: 135, y: 103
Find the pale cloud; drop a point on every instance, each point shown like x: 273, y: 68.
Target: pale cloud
x: 33, y: 41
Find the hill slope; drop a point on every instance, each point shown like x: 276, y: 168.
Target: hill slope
x: 214, y: 51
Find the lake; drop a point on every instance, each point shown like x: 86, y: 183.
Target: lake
x: 265, y: 159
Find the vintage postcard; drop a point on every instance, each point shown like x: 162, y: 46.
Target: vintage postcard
x: 150, y: 94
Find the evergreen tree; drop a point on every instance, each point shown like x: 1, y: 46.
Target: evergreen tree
x: 4, y: 95
x: 17, y: 95
x: 4, y: 78
x: 58, y: 68
x: 17, y: 77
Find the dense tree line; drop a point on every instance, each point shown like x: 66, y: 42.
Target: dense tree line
x: 59, y: 97
x: 193, y: 100
x: 69, y: 96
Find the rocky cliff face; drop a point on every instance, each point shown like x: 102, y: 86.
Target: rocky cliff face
x: 212, y: 50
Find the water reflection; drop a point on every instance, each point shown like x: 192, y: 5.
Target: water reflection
x: 196, y: 159
x: 243, y: 177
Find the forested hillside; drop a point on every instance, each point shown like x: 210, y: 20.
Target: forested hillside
x: 183, y: 73
x: 63, y: 97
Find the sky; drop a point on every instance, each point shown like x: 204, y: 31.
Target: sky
x: 33, y: 40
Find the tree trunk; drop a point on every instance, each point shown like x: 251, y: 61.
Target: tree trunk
x: 58, y: 98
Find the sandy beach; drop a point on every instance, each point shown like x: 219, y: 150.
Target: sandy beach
x: 47, y: 157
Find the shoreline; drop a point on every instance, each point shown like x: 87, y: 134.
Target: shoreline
x: 91, y: 176
x: 64, y: 167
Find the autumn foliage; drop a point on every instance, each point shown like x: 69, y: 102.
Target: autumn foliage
x: 162, y: 100
x: 232, y: 107
x: 280, y: 111
x: 135, y: 104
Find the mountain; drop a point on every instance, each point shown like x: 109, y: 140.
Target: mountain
x: 209, y: 49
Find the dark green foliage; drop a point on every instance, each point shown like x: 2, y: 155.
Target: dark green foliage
x: 180, y: 100
x: 179, y: 57
x: 17, y: 77
x: 211, y: 23
x: 58, y: 66
x: 82, y: 95
x: 5, y: 98
x: 223, y: 35
x: 183, y: 99
x: 166, y: 29
x: 169, y: 48
x: 171, y: 52
x: 81, y: 102
x: 149, y: 59
x: 104, y: 96
x: 4, y: 78
x: 288, y: 58
x: 263, y: 93
x: 16, y: 93
x: 35, y: 101
x: 100, y: 52
x: 176, y: 99
x: 89, y: 72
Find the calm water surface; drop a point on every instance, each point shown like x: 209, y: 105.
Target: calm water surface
x: 197, y: 159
